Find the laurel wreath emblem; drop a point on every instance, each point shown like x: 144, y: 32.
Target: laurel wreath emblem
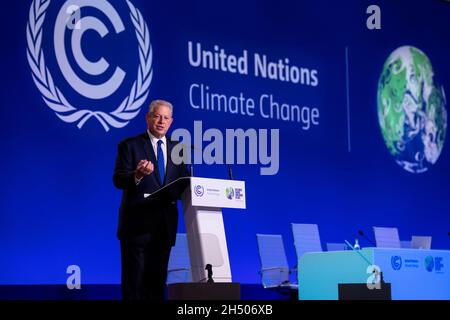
x: 54, y: 98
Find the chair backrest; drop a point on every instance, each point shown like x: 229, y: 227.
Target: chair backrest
x: 420, y: 242
x: 386, y: 237
x: 179, y: 269
x: 274, y: 264
x: 306, y: 238
x: 334, y: 246
x: 405, y: 244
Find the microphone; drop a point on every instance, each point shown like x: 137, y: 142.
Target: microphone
x: 361, y: 233
x: 230, y: 173
x: 357, y: 251
x: 365, y: 259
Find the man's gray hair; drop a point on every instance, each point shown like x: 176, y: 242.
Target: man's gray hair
x: 159, y: 102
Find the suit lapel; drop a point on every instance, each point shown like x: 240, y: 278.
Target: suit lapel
x: 148, y: 148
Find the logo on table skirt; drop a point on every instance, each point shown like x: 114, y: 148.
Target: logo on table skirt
x: 429, y: 263
x: 199, y: 190
x: 97, y: 54
x: 396, y: 262
x: 433, y: 263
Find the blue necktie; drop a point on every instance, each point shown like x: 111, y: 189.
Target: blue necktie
x: 160, y: 157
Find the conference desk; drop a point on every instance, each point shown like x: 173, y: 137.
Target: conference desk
x: 414, y: 274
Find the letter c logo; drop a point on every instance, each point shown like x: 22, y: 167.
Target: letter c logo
x: 94, y: 68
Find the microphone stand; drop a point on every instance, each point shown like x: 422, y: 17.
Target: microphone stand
x: 361, y: 233
x: 230, y: 173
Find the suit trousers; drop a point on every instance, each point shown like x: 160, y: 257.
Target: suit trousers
x: 144, y: 267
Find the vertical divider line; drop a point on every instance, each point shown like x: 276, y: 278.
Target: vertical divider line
x: 348, y: 100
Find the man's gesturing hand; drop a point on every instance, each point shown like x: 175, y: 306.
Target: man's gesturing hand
x: 144, y: 168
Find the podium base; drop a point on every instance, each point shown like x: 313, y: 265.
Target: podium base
x: 204, y: 291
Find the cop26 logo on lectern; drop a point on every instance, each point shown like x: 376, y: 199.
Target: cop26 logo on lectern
x: 229, y: 192
x: 90, y: 59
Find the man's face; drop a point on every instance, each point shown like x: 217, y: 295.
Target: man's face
x: 159, y: 121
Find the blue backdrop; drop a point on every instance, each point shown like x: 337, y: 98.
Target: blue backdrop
x: 59, y: 206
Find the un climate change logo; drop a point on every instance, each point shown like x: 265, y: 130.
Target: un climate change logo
x: 396, y: 262
x: 126, y: 108
x: 199, y: 190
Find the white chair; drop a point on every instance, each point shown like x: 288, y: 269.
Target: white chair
x: 179, y: 268
x: 405, y: 244
x: 306, y: 238
x: 420, y: 242
x: 386, y: 237
x: 274, y: 265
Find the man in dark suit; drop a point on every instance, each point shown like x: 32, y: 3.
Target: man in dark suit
x: 147, y: 227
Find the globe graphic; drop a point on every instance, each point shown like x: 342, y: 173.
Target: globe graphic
x: 411, y: 109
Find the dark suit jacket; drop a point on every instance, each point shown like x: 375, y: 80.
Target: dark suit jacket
x: 139, y: 216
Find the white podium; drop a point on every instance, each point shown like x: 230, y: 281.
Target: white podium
x: 203, y: 200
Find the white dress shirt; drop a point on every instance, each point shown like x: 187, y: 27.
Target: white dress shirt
x: 154, y: 142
